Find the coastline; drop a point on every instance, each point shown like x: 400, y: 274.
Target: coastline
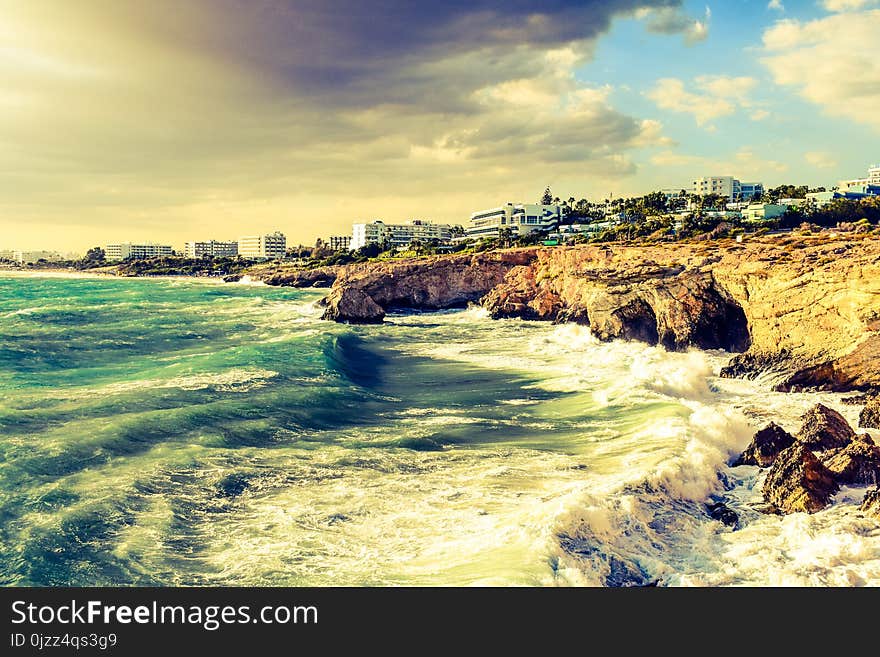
x: 67, y: 273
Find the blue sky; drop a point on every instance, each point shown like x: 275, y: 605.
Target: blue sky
x: 213, y: 119
x: 631, y: 59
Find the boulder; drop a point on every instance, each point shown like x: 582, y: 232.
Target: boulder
x: 765, y: 446
x: 871, y: 503
x: 856, y: 464
x: 350, y: 304
x: 869, y: 418
x: 722, y: 513
x: 824, y: 428
x: 798, y: 481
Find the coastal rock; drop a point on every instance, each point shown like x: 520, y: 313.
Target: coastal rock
x: 645, y: 301
x: 723, y: 514
x: 869, y: 418
x: 798, y: 481
x: 353, y: 305
x: 791, y: 303
x: 428, y: 283
x: 765, y: 446
x: 871, y: 503
x: 856, y: 464
x: 284, y: 277
x: 824, y: 428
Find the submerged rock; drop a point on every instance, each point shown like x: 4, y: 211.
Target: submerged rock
x: 232, y: 485
x: 765, y: 446
x: 869, y: 418
x: 798, y: 481
x: 871, y: 503
x: 721, y: 512
x: 824, y: 428
x: 856, y: 464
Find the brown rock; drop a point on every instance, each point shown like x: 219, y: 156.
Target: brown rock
x: 352, y: 305
x: 856, y: 464
x: 766, y: 446
x: 869, y: 418
x: 428, y: 283
x: 824, y: 428
x: 794, y: 302
x: 797, y: 481
x: 871, y: 503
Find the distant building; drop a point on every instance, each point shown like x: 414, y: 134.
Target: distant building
x: 727, y: 186
x: 874, y: 175
x: 521, y: 218
x: 213, y: 248
x: 763, y: 211
x: 23, y: 257
x: 398, y: 235
x: 125, y: 250
x: 340, y: 242
x: 855, y: 185
x: 262, y: 247
x: 821, y: 199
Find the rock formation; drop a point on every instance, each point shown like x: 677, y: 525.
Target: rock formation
x: 856, y: 464
x: 296, y: 277
x: 824, y: 428
x: 869, y: 418
x: 807, y: 307
x: 363, y: 293
x: 722, y: 513
x: 765, y: 446
x: 798, y: 481
x: 871, y: 503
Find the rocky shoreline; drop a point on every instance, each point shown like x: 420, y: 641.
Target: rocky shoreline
x: 804, y: 471
x: 804, y: 309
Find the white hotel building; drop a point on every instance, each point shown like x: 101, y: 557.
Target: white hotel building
x: 263, y: 247
x: 726, y: 186
x: 126, y: 250
x: 213, y: 248
x: 521, y: 218
x: 398, y: 235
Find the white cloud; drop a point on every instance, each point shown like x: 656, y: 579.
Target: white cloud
x: 759, y: 115
x: 672, y: 20
x: 820, y: 160
x: 847, y: 5
x: 716, y: 96
x: 833, y: 62
x: 745, y: 163
x: 775, y: 5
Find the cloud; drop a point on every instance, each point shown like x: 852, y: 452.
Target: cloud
x: 833, y: 62
x: 672, y: 20
x: 776, y: 5
x: 847, y: 5
x: 820, y: 160
x: 130, y: 116
x: 745, y: 164
x: 716, y: 96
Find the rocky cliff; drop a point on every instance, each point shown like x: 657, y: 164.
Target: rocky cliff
x: 362, y: 293
x: 806, y: 305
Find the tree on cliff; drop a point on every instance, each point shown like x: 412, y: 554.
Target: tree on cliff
x: 95, y: 254
x: 547, y: 198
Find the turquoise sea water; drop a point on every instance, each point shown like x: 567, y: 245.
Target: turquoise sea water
x: 173, y: 432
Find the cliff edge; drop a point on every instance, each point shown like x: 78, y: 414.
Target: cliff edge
x: 807, y: 306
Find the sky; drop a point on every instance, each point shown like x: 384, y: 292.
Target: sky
x: 180, y: 120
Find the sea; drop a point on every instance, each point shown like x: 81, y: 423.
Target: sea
x: 177, y: 432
